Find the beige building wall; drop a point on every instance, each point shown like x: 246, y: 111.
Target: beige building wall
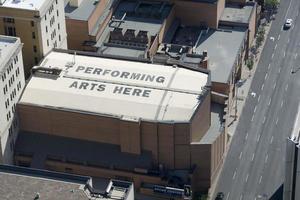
x: 30, y: 27
x: 194, y: 13
x: 130, y: 137
x: 200, y: 122
x: 172, y: 144
x: 24, y: 30
x: 252, y: 25
x: 77, y: 31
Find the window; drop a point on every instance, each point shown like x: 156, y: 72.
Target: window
x: 56, y: 1
x: 8, y: 20
x: 48, y: 43
x: 59, y: 38
x: 46, y: 29
x: 34, y: 49
x: 57, y: 13
x: 45, y: 16
x: 10, y: 31
x: 36, y: 60
x: 58, y: 26
x: 32, y: 23
x: 33, y: 35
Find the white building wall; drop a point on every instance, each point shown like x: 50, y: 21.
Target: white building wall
x: 12, y: 83
x: 53, y: 27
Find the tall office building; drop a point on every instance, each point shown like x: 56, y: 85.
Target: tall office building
x: 39, y: 23
x: 11, y: 85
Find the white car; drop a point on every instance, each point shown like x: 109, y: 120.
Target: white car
x: 288, y: 23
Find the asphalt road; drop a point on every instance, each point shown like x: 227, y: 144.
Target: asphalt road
x: 254, y: 167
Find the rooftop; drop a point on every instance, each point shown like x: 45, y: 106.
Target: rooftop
x: 27, y: 183
x: 24, y: 4
x: 136, y: 17
x: 7, y: 46
x: 123, y: 89
x: 83, y: 12
x: 223, y: 46
x: 236, y: 13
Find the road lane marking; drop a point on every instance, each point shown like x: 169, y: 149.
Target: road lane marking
x: 246, y: 137
x: 278, y: 37
x: 277, y: 121
x: 288, y: 40
x: 252, y: 156
x: 269, y: 102
x: 271, y: 141
x: 288, y: 9
x: 258, y: 98
x: 266, y: 76
x: 260, y: 179
x: 264, y: 119
x: 262, y: 87
x: 266, y: 159
x: 286, y: 87
x: 274, y: 85
x: 255, y: 109
x: 272, y: 55
x: 240, y: 155
x: 241, y: 197
x: 296, y: 55
x: 252, y: 118
x: 227, y: 196
x: 281, y: 104
x: 269, y: 65
x: 275, y: 47
x: 233, y: 177
x: 247, y: 178
x: 279, y: 70
x: 284, y: 54
x: 258, y: 138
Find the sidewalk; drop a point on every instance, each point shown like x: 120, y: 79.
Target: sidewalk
x: 243, y: 90
x: 241, y: 96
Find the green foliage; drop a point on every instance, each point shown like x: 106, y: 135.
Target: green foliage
x: 250, y: 63
x: 271, y: 4
x: 260, y: 36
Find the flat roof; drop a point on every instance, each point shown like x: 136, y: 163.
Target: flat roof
x: 24, y: 4
x: 121, y: 51
x: 7, y: 47
x: 223, y: 47
x: 138, y: 16
x: 123, y: 89
x: 236, y: 13
x: 27, y: 183
x: 83, y: 12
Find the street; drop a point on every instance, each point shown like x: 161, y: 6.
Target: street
x: 254, y: 167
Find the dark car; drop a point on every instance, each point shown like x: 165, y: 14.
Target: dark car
x: 220, y: 196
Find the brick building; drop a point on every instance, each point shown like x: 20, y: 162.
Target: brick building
x: 120, y: 119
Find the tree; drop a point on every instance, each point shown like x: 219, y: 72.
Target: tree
x: 260, y: 37
x: 249, y: 64
x: 271, y: 6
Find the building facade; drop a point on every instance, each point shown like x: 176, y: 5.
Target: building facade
x: 148, y: 121
x: 39, y: 24
x: 12, y: 83
x: 292, y: 167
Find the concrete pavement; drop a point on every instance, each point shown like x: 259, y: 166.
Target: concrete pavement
x: 254, y: 165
